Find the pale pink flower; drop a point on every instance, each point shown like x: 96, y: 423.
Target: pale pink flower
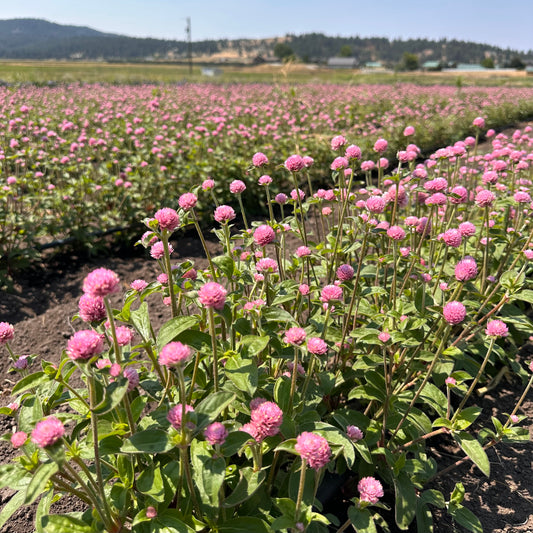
x: 384, y: 336
x: 266, y: 265
x: 314, y: 449
x: 479, y: 122
x: 454, y: 312
x: 303, y: 289
x: 175, y: 413
x: 331, y: 292
x: 85, y: 344
x: 124, y: 335
x: 370, y: 489
x: 237, y: 187
x: 18, y: 439
x: 452, y: 237
x: 375, y: 204
x: 264, y: 235
x: 212, y: 294
x: 281, y: 198
x: 496, y: 328
x: 259, y: 159
x: 303, y: 251
x: 294, y: 335
x: 7, y: 332
x: 138, y: 285
x: 47, y: 432
x: 466, y: 269
x: 151, y: 512
x: 338, y: 142
x: 265, y: 180
x: 450, y: 381
x: 187, y: 201
x: 101, y: 282
x: 353, y: 152
x: 132, y: 376
x: 208, y: 184
x: 216, y: 432
x: 409, y: 130
x: 317, y: 346
x: 396, y: 233
x: 294, y: 163
x: 467, y: 229
x: 339, y: 163
x: 174, y: 353
x: 267, y: 418
x: 485, y: 198
x: 157, y: 251
x: 308, y: 161
x: 354, y: 433
x: 168, y: 218
x: 380, y: 146
x: 224, y: 213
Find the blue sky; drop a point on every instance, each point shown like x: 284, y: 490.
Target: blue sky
x: 507, y: 24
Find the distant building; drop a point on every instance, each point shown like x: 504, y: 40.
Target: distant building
x: 342, y: 62
x: 529, y: 71
x: 211, y: 72
x: 373, y: 64
x: 431, y: 65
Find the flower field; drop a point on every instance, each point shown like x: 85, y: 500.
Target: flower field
x: 373, y: 278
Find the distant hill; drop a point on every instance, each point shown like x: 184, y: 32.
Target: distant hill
x: 41, y: 39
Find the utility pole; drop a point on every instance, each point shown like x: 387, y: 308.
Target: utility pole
x: 189, y: 44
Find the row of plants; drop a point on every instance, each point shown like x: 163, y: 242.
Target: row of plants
x: 81, y: 160
x: 335, y: 338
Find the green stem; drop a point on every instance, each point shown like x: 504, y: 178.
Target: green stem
x: 168, y: 268
x: 301, y: 487
x: 204, y: 244
x: 213, y: 347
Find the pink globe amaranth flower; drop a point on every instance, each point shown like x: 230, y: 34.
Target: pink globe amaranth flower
x: 151, y: 512
x: 370, y: 489
x: 162, y: 278
x: 132, y: 376
x: 215, y: 433
x: 101, y: 282
x: 496, y: 328
x: 267, y: 418
x: 168, y: 218
x: 454, y: 312
x: 345, y: 272
x: 380, y: 146
x: 436, y: 199
x: 190, y: 274
x: 124, y: 335
x: 85, y: 344
x: 22, y: 362
x: 237, y: 187
x: 466, y: 269
x: 375, y: 204
x: 522, y: 197
x: 317, y: 346
x: 314, y: 449
x: 294, y: 335
x: 208, y: 184
x: 138, y: 285
x: 384, y: 336
x: 326, y: 211
x: 157, y: 251
x: 47, y: 432
x: 265, y: 180
x: 303, y: 251
x: 281, y: 198
x: 175, y: 413
x: 354, y: 433
x: 187, y: 201
x: 7, y: 332
x: 264, y: 235
x: 528, y: 254
x: 224, y: 213
x: 338, y: 142
x: 303, y: 289
x: 462, y: 195
x: 251, y: 429
x: 266, y: 265
x: 467, y: 229
x: 408, y: 131
x: 436, y: 185
x: 367, y: 166
x: 479, y: 122
x: 295, y: 194
x: 452, y: 237
x: 294, y: 163
x: 450, y: 382
x: 396, y: 233
x: 331, y: 292
x: 212, y: 294
x: 174, y: 353
x: 308, y: 161
x: 18, y: 439
x: 339, y: 163
x: 485, y: 198
x: 259, y: 159
x: 353, y: 152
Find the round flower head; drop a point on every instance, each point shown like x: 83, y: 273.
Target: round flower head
x: 47, y: 432
x: 237, y: 187
x: 208, y: 184
x: 384, y: 336
x: 303, y: 251
x: 314, y: 449
x: 215, y: 433
x: 264, y: 235
x: 380, y: 146
x: 132, y: 376
x: 212, y: 294
x: 467, y: 229
x: 331, y: 292
x: 91, y: 308
x: 316, y: 346
x: 338, y: 142
x: 479, y: 122
x: 124, y: 335
x: 466, y: 269
x: 151, y: 512
x: 266, y: 265
x: 174, y: 353
x: 370, y: 489
x: 18, y: 439
x: 308, y: 161
x: 187, y: 201
x: 175, y: 413
x: 396, y: 233
x: 294, y: 163
x: 353, y: 152
x: 409, y: 130
x: 485, y: 198
x: 294, y: 336
x: 354, y: 433
x: 259, y: 159
x: 375, y: 204
x: 454, y: 312
x: 496, y: 328
x: 345, y: 272
x: 157, y: 251
x: 339, y: 163
x: 101, y: 282
x: 224, y: 213
x: 295, y: 194
x: 7, y: 332
x: 459, y: 195
x: 281, y: 198
x: 452, y: 238
x: 85, y: 344
x: 265, y: 180
x: 168, y: 218
x: 267, y: 418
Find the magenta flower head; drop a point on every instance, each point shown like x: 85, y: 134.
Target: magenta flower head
x: 496, y: 328
x: 303, y: 251
x: 339, y: 163
x: 375, y: 204
x: 259, y: 159
x: 331, y: 292
x: 345, y: 272
x: 294, y: 336
x: 168, y: 218
x: 354, y: 433
x: 317, y: 346
x: 91, y: 308
x: 370, y: 489
x: 7, y: 332
x: 308, y: 161
x: 479, y: 122
x: 224, y: 213
x: 264, y: 180
x: 237, y: 187
x: 85, y: 344
x: 314, y: 449
x: 138, y: 285
x: 294, y: 163
x: 353, y: 152
x: 485, y: 198
x: 281, y: 198
x: 47, y: 432
x: 175, y: 413
x: 101, y: 282
x: 174, y: 353
x: 215, y: 433
x: 409, y: 130
x: 454, y: 312
x: 208, y: 184
x: 266, y: 418
x: 452, y: 237
x: 18, y: 439
x: 266, y: 265
x: 396, y: 233
x: 212, y: 294
x: 157, y: 251
x: 264, y: 235
x: 124, y: 335
x: 380, y: 146
x: 466, y: 269
x: 338, y: 142
x: 187, y: 201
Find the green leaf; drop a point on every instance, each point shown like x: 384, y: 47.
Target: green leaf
x: 471, y: 446
x: 211, y: 406
x: 405, y: 505
x: 234, y: 442
x: 11, y: 507
x: 287, y: 446
x: 458, y: 494
x: 150, y: 482
x: 433, y: 497
x: 113, y: 395
x: 39, y: 481
x: 435, y: 398
x: 424, y: 518
x: 149, y: 441
x: 254, y: 344
x: 526, y: 296
x: 248, y: 483
x: 245, y: 524
x: 141, y: 321
x: 226, y: 264
x: 282, y: 390
x: 169, y: 521
x: 171, y: 329
x: 42, y: 510
x: 243, y: 373
x: 31, y: 382
x: 467, y: 417
x: 465, y: 518
x: 277, y: 315
x: 57, y: 523
x: 361, y: 520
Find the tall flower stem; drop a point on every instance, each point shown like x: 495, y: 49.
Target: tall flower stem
x: 293, y: 381
x: 168, y: 268
x: 301, y: 487
x: 485, y: 251
x: 242, y: 211
x: 204, y: 244
x: 213, y: 347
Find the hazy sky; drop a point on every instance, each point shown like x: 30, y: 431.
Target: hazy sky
x: 508, y: 23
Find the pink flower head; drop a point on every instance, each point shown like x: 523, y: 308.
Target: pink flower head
x: 367, y: 166
x: 151, y: 512
x: 408, y: 131
x: 264, y: 235
x: 345, y: 272
x: 331, y: 292
x: 396, y: 233
x: 259, y: 159
x: 91, y: 308
x: 462, y: 195
x: 174, y: 353
x: 522, y: 197
x: 85, y: 344
x: 466, y: 269
x: 303, y: 289
x: 265, y: 180
x: 224, y: 213
x: 338, y: 142
x: 237, y: 187
x: 375, y: 204
x: 7, y: 332
x: 370, y: 489
x: 47, y: 432
x: 308, y: 161
x: 380, y: 146
x: 314, y: 449
x: 485, y: 198
x: 450, y: 381
x: 267, y: 418
x: 132, y: 376
x: 339, y: 163
x: 294, y: 163
x: 303, y: 251
x: 101, y: 282
x: 168, y: 218
x: 124, y: 335
x: 467, y: 229
x: 157, y: 251
x: 138, y: 285
x: 212, y: 294
x: 317, y: 346
x: 353, y: 152
x: 208, y: 184
x: 437, y: 198
x: 384, y: 336
x: 266, y: 265
x: 175, y: 413
x: 281, y: 198
x: 216, y: 432
x: 187, y: 201
x: 295, y: 194
x: 496, y: 328
x: 294, y: 335
x: 18, y: 439
x: 452, y: 237
x: 354, y: 433
x: 479, y: 122
x: 454, y: 312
